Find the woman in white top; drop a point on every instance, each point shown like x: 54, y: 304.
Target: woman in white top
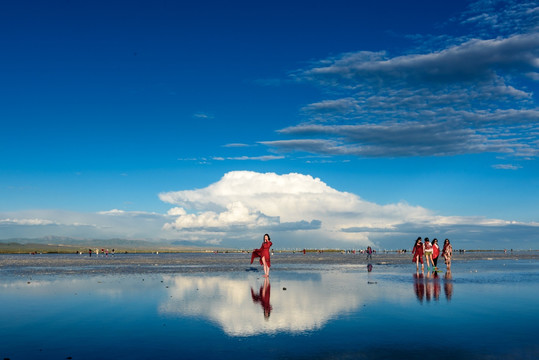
x: 428, y: 253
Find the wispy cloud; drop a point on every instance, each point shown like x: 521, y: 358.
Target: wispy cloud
x: 467, y: 97
x: 507, y: 17
x: 506, y: 166
x: 236, y: 145
x: 201, y: 115
x: 27, y: 222
x: 103, y: 224
x: 255, y: 158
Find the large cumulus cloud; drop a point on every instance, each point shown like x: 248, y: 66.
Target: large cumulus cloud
x: 305, y: 211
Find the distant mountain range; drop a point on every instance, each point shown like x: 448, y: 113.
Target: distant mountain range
x: 50, y: 243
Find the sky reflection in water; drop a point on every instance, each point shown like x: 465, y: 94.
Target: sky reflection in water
x: 483, y: 309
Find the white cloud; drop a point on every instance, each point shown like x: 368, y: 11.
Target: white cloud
x: 256, y: 158
x: 291, y: 202
x: 235, y: 215
x: 104, y: 224
x: 506, y: 166
x: 202, y: 116
x: 304, y: 211
x: 30, y: 222
x: 177, y: 211
x: 123, y: 213
x: 236, y: 145
x: 298, y: 210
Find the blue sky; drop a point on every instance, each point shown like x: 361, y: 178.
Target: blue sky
x: 327, y: 124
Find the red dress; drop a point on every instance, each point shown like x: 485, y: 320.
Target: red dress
x: 418, y: 252
x: 264, y: 298
x: 263, y: 252
x: 435, y: 251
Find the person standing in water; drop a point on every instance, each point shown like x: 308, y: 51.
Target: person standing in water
x: 447, y: 253
x: 417, y: 251
x: 264, y: 254
x: 428, y: 253
x: 435, y: 253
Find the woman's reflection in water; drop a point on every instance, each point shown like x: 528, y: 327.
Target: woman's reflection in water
x: 448, y: 284
x: 369, y: 267
x: 435, y: 285
x: 263, y: 297
x: 419, y: 286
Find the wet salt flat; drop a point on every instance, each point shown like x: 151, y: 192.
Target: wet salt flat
x: 188, y: 306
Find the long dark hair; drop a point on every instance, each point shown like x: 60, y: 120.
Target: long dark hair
x: 446, y: 242
x: 269, y: 239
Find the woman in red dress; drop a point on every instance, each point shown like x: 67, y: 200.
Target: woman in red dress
x: 435, y: 253
x: 418, y: 251
x: 264, y: 255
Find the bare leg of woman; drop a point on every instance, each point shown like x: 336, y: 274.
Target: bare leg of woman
x: 266, y: 267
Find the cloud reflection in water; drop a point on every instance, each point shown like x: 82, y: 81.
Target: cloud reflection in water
x: 299, y: 302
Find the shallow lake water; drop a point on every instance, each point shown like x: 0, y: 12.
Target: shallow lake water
x: 483, y: 309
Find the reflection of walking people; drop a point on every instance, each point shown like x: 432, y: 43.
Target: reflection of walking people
x: 417, y: 251
x: 263, y: 297
x: 435, y: 253
x: 264, y: 254
x: 447, y: 253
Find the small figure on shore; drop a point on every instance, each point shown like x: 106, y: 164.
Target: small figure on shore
x: 90, y: 252
x: 435, y: 253
x: 447, y: 253
x: 417, y: 252
x: 428, y: 253
x: 264, y: 255
x: 369, y: 253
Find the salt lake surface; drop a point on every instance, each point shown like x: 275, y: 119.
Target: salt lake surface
x: 187, y: 306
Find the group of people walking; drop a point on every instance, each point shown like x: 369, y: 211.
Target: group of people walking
x: 431, y: 252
